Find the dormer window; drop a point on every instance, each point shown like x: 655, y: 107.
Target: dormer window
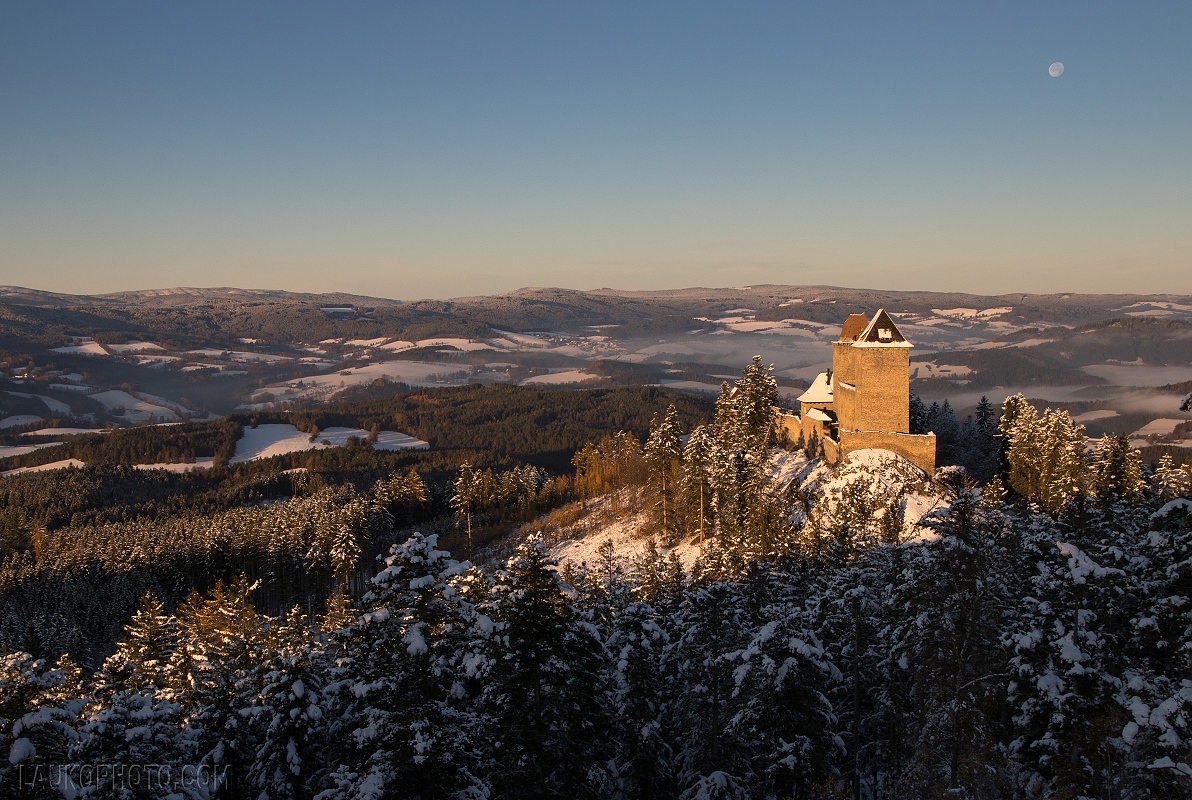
x: 884, y: 335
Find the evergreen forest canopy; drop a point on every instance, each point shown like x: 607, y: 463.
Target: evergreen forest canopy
x: 1031, y: 636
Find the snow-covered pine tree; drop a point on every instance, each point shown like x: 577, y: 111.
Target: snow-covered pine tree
x: 1169, y: 482
x: 1158, y: 693
x: 544, y: 698
x: 949, y: 602
x: 919, y: 422
x: 134, y: 716
x: 1067, y: 665
x: 40, y: 706
x: 219, y: 667
x: 744, y: 432
x: 643, y: 703
x: 390, y: 686
x: 1117, y: 471
x: 662, y: 452
x: 290, y: 728
x: 696, y: 481
x: 783, y: 719
x: 1046, y: 454
x: 710, y: 628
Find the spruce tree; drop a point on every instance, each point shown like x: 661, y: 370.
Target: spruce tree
x: 391, y: 683
x: 662, y: 453
x: 544, y: 700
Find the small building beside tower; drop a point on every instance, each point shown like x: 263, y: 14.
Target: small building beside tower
x: 863, y: 401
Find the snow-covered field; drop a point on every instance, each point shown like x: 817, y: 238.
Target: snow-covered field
x: 7, y: 451
x: 135, y: 409
x: 56, y: 406
x: 64, y: 431
x: 266, y: 441
x: 321, y: 387
x: 1091, y: 416
x: 930, y: 369
x: 238, y: 355
x: 136, y: 347
x: 83, y: 347
x: 70, y: 462
x: 561, y: 378
x: 691, y: 386
x: 1158, y: 427
x: 396, y: 440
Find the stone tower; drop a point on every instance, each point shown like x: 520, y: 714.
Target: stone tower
x: 864, y: 400
x: 871, y: 385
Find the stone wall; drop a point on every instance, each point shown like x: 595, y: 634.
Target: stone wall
x: 831, y: 451
x: 844, y: 362
x: 919, y: 449
x: 788, y: 425
x: 883, y: 390
x: 845, y: 403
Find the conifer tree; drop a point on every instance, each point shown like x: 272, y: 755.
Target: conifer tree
x: 662, y: 453
x: 1169, y: 482
x: 1117, y: 470
x: 919, y: 422
x: 951, y: 599
x: 543, y: 698
x: 1046, y: 454
x: 643, y: 699
x: 393, y: 679
x: 219, y: 666
x: 40, y: 706
x: 290, y: 727
x: 134, y: 716
x: 698, y: 455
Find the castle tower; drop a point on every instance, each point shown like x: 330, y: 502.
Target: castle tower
x: 871, y: 377
x: 864, y: 400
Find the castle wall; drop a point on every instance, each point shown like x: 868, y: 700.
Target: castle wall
x: 832, y: 452
x: 919, y: 449
x: 844, y: 403
x: 789, y: 426
x: 883, y: 390
x: 844, y: 363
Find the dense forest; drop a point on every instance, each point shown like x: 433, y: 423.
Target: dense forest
x: 1030, y: 636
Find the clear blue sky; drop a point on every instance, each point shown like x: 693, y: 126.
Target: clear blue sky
x: 449, y: 148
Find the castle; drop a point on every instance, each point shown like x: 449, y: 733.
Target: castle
x: 864, y: 400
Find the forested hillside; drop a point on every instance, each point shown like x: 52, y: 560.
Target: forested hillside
x: 864, y: 631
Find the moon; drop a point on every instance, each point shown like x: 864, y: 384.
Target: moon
x: 1056, y: 69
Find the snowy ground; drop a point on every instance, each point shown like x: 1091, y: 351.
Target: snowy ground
x: 56, y: 406
x: 322, y: 387
x: 135, y: 409
x: 7, y: 451
x: 70, y: 462
x: 135, y: 347
x: 64, y: 431
x: 83, y: 347
x: 395, y: 440
x: 561, y: 378
x: 584, y: 539
x: 266, y: 441
x: 692, y: 386
x: 238, y: 355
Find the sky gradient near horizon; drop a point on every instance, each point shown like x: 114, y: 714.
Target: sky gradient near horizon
x: 414, y: 150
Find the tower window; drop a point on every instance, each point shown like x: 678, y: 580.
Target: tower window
x: 884, y: 334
